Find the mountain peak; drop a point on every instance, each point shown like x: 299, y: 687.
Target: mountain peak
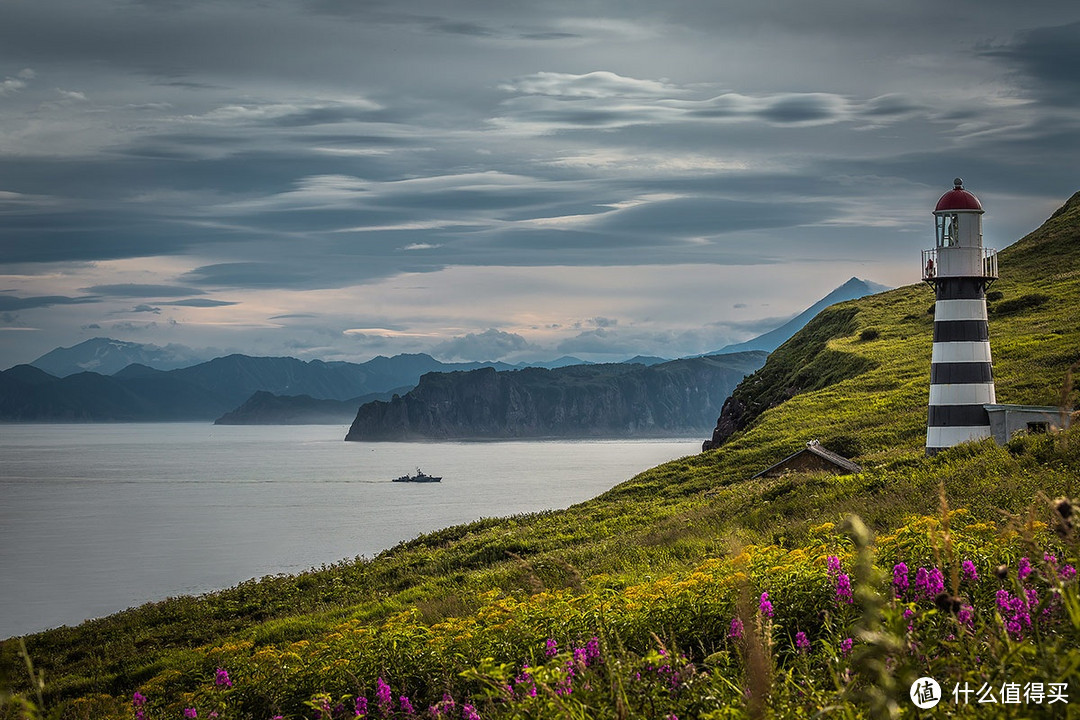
x: 108, y: 355
x: 853, y: 289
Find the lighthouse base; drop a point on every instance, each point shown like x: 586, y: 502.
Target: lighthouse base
x: 943, y: 438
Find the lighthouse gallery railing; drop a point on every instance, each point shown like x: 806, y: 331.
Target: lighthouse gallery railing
x: 930, y: 264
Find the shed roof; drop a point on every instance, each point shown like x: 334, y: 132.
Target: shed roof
x: 816, y: 448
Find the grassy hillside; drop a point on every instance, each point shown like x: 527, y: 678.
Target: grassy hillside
x: 667, y: 571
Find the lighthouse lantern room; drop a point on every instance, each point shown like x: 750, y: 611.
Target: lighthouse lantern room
x: 961, y: 375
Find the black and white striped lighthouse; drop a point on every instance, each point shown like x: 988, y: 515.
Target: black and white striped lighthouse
x: 961, y: 374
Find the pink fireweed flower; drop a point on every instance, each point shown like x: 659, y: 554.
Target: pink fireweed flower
x: 522, y: 681
x: 443, y: 708
x: 937, y: 582
x: 468, y: 712
x: 765, y: 606
x: 1067, y: 572
x: 383, y: 695
x: 929, y: 583
x: 191, y: 713
x: 922, y: 583
x: 736, y: 630
x: 845, y: 645
x: 592, y: 651
x: 967, y: 570
x: 802, y: 642
x: 833, y: 565
x: 406, y: 705
x: 1016, y: 611
x: 843, y: 588
x: 221, y: 679
x: 551, y: 648
x: 138, y: 701
x: 360, y: 706
x: 1024, y: 569
x: 965, y: 617
x: 900, y: 578
x: 1031, y: 597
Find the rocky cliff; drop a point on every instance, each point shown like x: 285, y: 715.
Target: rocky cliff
x: 619, y: 400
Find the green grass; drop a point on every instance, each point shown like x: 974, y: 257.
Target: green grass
x: 834, y: 381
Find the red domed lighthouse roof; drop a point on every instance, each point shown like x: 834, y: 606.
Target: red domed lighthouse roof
x: 958, y: 199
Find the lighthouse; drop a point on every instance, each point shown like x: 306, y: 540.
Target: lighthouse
x: 961, y: 374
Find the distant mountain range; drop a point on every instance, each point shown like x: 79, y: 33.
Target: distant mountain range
x: 616, y: 400
x: 853, y: 289
x: 108, y: 380
x: 205, y: 391
x: 108, y: 357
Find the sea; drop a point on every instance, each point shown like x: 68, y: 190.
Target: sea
x: 96, y: 518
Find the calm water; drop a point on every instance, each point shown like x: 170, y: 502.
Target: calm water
x: 97, y: 518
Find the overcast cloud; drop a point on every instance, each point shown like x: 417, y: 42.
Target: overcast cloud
x: 484, y: 180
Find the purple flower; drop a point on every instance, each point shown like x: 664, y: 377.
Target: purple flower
x: 361, y: 706
x: 382, y: 694
x: 1068, y: 572
x: 908, y: 613
x: 1050, y: 559
x: 843, y: 588
x: 736, y: 630
x: 551, y: 648
x: 929, y: 583
x: 191, y: 713
x: 1002, y: 596
x: 802, y: 642
x: 1024, y: 569
x: 965, y: 617
x: 922, y: 583
x: 444, y: 707
x: 592, y: 650
x: 967, y: 568
x: 406, y: 705
x: 221, y: 679
x: 833, y: 563
x: 138, y: 699
x: 468, y: 712
x: 937, y: 582
x: 1016, y: 611
x: 900, y: 578
x: 845, y: 645
x: 765, y: 606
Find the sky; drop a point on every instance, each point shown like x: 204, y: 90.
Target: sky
x: 492, y: 180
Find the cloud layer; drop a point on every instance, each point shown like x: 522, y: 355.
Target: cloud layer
x: 270, y: 176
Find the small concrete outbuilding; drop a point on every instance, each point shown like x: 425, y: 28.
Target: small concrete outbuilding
x: 811, y: 458
x: 1007, y: 420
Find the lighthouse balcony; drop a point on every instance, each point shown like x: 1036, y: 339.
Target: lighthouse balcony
x: 959, y: 262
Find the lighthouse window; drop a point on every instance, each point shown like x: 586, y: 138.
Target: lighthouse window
x: 947, y: 230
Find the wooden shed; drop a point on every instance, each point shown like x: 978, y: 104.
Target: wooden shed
x: 811, y: 458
